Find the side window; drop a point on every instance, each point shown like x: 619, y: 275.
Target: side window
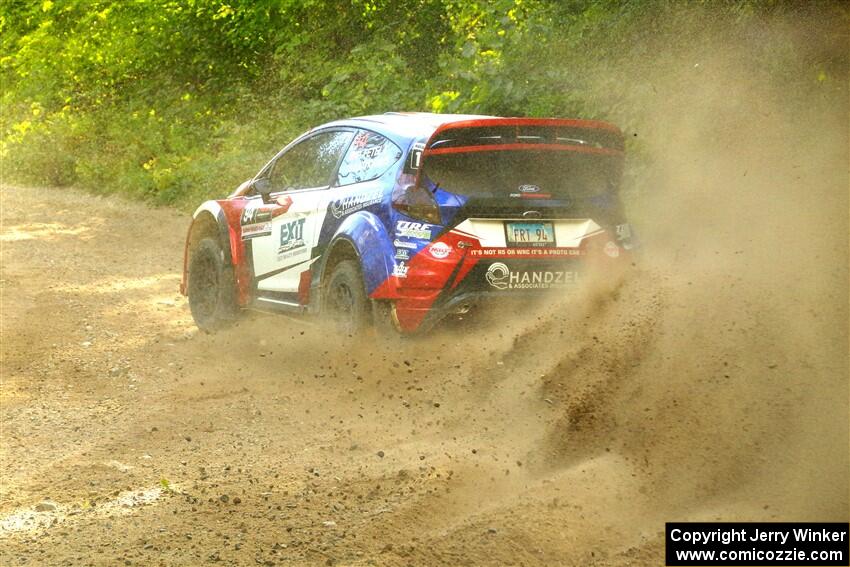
x: 309, y: 163
x: 369, y: 157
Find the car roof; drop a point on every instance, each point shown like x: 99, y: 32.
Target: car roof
x: 404, y: 125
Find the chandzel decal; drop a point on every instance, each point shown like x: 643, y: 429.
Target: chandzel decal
x: 352, y: 203
x: 500, y: 276
x: 497, y: 275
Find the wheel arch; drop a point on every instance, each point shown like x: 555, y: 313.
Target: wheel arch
x: 341, y: 248
x: 361, y: 237
x: 208, y: 221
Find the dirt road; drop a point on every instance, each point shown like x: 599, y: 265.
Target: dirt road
x: 563, y: 437
x: 128, y: 437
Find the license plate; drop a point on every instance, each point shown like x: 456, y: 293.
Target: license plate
x: 529, y: 234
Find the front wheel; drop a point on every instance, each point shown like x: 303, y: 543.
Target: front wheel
x: 345, y: 301
x: 211, y: 289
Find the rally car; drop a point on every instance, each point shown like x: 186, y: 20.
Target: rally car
x: 401, y: 219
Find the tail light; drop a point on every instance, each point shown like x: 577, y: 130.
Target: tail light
x: 416, y: 202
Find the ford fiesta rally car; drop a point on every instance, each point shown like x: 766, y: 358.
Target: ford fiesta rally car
x: 403, y: 218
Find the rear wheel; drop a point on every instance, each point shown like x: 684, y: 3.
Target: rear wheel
x: 345, y: 300
x: 211, y: 289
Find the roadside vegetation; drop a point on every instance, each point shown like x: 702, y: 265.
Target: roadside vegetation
x: 173, y: 101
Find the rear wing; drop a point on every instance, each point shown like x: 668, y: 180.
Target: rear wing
x: 495, y: 134
x: 516, y: 134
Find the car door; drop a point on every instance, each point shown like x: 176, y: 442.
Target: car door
x: 299, y: 178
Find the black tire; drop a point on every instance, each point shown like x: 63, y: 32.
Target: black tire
x: 212, y: 287
x: 345, y: 302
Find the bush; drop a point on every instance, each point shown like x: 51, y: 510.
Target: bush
x: 175, y: 102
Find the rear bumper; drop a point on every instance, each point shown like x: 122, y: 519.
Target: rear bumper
x: 492, y: 281
x: 469, y: 267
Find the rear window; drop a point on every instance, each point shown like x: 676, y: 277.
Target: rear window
x: 504, y: 173
x: 369, y: 156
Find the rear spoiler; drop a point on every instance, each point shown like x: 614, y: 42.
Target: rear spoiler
x: 513, y: 134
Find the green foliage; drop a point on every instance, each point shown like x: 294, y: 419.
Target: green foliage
x: 178, y: 100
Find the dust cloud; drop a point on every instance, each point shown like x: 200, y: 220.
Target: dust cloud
x: 707, y: 382
x: 711, y: 381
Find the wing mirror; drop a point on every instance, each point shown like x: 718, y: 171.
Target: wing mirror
x: 264, y: 188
